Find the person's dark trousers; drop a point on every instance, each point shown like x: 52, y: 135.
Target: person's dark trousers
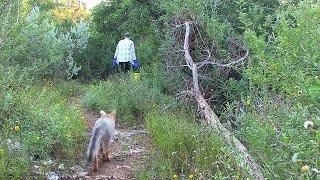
x: 124, y: 66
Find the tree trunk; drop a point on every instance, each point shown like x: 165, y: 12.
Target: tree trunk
x: 246, y: 162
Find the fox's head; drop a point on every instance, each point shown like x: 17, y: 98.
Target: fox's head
x: 112, y: 115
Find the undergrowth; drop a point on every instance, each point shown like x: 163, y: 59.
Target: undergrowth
x: 37, y: 123
x: 131, y: 99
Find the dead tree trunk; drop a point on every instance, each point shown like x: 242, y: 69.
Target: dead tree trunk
x: 246, y: 162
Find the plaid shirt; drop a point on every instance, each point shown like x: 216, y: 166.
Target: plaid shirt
x: 125, y: 51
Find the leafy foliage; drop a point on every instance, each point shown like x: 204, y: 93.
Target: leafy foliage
x: 290, y: 64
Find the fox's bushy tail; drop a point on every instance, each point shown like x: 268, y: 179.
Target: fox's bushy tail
x: 94, y: 142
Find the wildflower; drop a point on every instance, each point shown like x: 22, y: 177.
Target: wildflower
x: 190, y: 176
x: 16, y: 128
x: 175, y: 176
x: 38, y: 138
x: 305, y: 169
x: 308, y: 124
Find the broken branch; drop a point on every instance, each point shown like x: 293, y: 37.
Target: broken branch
x: 247, y: 162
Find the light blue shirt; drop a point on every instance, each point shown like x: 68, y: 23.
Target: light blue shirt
x: 125, y: 51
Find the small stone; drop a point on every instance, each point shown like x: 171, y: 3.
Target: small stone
x: 47, y: 163
x: 36, y: 170
x: 61, y: 167
x: 80, y: 175
x: 52, y: 176
x: 76, y: 169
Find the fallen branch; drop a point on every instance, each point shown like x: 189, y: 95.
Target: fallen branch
x: 246, y: 162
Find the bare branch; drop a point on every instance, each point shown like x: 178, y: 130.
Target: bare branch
x: 201, y: 64
x: 178, y: 66
x: 187, y: 92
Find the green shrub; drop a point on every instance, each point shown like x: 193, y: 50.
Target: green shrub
x: 36, y: 45
x: 285, y: 71
x: 186, y: 150
x: 290, y: 64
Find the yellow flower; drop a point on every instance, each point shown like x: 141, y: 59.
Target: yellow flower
x: 305, y: 169
x: 175, y: 176
x: 37, y: 137
x: 16, y: 128
x: 190, y: 176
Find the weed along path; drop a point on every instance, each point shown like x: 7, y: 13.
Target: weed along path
x: 128, y: 151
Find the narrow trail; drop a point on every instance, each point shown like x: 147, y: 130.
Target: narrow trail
x: 128, y: 151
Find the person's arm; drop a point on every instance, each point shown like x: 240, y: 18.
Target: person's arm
x: 117, y: 52
x: 133, y: 53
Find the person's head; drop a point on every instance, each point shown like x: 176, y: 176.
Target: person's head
x: 127, y: 35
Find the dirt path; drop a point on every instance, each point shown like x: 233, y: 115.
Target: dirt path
x: 128, y: 152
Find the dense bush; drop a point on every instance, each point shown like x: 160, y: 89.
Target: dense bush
x: 285, y: 85
x: 290, y: 64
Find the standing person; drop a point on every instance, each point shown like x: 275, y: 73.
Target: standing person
x: 125, y: 53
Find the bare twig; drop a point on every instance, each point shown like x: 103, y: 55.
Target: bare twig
x: 201, y: 64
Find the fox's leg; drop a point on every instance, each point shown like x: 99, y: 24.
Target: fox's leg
x: 105, y: 151
x: 107, y: 154
x: 96, y: 163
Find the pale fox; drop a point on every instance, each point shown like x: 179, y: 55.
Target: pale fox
x: 101, y: 137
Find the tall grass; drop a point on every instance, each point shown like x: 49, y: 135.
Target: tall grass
x: 183, y: 149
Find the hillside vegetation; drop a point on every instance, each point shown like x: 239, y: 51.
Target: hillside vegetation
x: 260, y: 73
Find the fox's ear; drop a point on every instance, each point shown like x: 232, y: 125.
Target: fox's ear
x: 103, y: 113
x: 114, y: 113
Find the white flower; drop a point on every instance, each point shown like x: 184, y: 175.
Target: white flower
x: 308, y: 124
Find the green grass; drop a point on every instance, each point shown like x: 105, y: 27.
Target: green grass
x: 131, y: 99
x: 43, y: 122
